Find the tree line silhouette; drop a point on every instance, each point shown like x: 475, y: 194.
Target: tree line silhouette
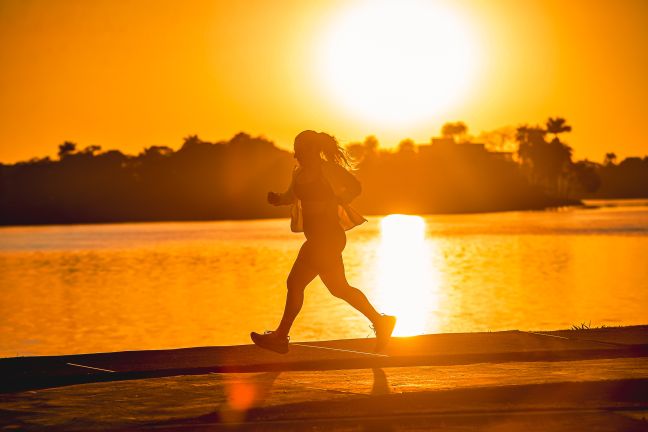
x: 527, y: 167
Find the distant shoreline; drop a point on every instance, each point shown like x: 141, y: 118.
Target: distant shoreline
x: 552, y: 204
x: 229, y: 180
x: 555, y: 204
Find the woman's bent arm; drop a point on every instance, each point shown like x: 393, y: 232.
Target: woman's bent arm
x: 286, y: 198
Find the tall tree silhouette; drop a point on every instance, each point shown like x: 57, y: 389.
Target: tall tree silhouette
x: 547, y: 163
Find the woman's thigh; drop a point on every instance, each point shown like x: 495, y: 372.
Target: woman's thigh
x: 324, y: 251
x: 303, y: 271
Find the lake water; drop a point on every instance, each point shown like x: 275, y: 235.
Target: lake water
x: 92, y: 288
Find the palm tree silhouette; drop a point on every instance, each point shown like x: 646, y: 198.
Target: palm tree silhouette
x: 557, y: 126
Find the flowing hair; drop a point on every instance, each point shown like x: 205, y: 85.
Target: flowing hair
x: 332, y: 151
x: 326, y: 146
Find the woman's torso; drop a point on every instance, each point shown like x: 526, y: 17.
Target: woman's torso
x: 319, y: 204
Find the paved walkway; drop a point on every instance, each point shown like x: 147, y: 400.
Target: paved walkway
x: 521, y: 382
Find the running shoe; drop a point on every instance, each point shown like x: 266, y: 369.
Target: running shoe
x: 383, y: 329
x: 271, y: 341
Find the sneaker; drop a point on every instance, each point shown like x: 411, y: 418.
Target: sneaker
x: 271, y: 341
x: 383, y: 329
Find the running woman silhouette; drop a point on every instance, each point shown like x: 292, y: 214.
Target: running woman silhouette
x: 319, y: 193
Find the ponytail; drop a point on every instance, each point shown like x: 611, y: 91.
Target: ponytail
x: 323, y: 145
x: 331, y: 150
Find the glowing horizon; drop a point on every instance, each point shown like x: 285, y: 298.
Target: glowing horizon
x: 128, y: 77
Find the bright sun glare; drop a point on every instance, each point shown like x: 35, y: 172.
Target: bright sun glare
x: 398, y: 62
x: 407, y: 279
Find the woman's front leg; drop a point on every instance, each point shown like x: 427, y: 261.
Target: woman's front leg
x: 300, y: 276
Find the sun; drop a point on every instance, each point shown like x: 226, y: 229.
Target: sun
x: 397, y: 62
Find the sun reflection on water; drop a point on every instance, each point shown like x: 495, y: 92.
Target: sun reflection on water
x: 407, y: 278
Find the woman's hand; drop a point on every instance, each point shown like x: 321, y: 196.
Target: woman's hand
x: 273, y: 198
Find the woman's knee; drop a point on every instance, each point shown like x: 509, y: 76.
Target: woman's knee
x: 340, y: 290
x: 294, y: 285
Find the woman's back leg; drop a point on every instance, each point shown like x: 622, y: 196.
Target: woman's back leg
x: 335, y: 280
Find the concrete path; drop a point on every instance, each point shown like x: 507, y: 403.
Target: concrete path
x: 26, y: 373
x: 527, y: 382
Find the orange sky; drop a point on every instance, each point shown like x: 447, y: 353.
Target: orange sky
x: 127, y: 75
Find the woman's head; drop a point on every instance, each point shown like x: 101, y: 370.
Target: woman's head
x: 311, y: 147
